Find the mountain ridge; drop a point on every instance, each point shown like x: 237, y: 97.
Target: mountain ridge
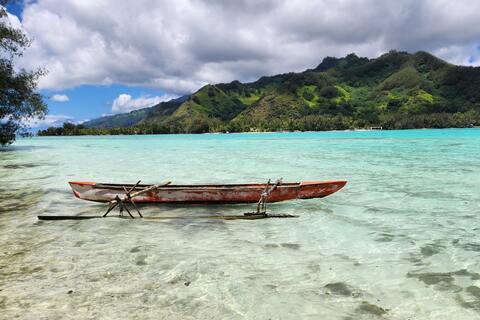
x: 395, y: 90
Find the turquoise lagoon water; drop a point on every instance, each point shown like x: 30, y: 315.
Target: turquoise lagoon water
x: 400, y: 241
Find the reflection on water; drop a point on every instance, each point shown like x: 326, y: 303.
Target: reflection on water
x: 399, y: 241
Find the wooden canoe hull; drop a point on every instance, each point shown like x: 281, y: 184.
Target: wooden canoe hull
x: 228, y: 193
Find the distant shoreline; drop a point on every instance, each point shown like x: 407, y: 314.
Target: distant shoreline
x: 254, y: 132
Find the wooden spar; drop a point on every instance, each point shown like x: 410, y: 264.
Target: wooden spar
x: 138, y: 193
x: 262, y: 202
x: 228, y: 217
x: 215, y: 217
x: 67, y: 217
x: 128, y: 197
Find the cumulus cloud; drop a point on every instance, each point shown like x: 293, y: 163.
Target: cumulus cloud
x: 125, y: 103
x: 181, y: 45
x: 51, y: 120
x: 60, y: 98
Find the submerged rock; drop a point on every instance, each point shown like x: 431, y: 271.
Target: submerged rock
x: 294, y: 246
x: 474, y: 291
x: 372, y: 309
x: 135, y: 249
x: 141, y: 260
x: 431, y: 278
x: 444, y: 280
x: 465, y: 272
x: 21, y: 166
x: 430, y: 250
x: 475, y: 304
x: 385, y: 237
x: 471, y: 247
x: 270, y: 245
x: 340, y: 289
x: 3, y: 302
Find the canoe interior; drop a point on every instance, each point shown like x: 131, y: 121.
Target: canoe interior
x: 142, y: 186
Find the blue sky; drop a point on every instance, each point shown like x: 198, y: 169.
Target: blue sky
x: 92, y: 101
x: 114, y: 56
x: 15, y: 8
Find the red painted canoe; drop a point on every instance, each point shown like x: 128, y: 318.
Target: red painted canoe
x: 223, y: 193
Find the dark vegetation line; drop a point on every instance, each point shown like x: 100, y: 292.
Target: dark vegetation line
x: 397, y: 90
x: 309, y: 123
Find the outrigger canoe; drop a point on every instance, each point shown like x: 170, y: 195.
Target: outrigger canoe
x: 215, y: 193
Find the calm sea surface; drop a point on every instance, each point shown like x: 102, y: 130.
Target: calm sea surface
x: 400, y: 241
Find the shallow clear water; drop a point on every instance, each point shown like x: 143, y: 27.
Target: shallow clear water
x: 401, y: 239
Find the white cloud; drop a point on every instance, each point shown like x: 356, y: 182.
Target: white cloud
x: 180, y: 45
x: 51, y: 120
x: 60, y: 98
x: 14, y: 21
x: 125, y: 103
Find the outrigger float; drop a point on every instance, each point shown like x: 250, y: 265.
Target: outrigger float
x: 119, y: 195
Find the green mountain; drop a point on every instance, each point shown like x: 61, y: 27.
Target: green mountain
x: 395, y: 90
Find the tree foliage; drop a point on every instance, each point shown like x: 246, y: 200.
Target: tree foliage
x: 19, y: 100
